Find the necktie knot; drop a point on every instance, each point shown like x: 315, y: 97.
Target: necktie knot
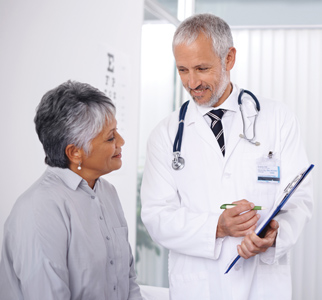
x: 216, y: 114
x: 216, y: 127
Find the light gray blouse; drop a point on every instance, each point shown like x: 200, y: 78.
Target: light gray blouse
x: 64, y: 240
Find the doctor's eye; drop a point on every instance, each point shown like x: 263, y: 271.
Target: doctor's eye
x: 181, y: 70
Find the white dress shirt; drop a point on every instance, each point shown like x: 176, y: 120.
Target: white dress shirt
x: 230, y: 108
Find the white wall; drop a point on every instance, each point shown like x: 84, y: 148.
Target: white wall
x: 157, y: 79
x: 157, y: 102
x: 44, y: 43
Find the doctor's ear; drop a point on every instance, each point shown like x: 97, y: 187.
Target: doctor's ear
x: 230, y: 58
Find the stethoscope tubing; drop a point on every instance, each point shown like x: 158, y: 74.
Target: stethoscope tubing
x: 258, y: 107
x: 178, y: 162
x: 240, y: 103
x: 178, y: 139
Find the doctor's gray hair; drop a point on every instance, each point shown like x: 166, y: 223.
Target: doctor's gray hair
x: 72, y: 113
x: 213, y: 27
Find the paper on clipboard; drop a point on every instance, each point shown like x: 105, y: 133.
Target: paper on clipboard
x: 287, y: 193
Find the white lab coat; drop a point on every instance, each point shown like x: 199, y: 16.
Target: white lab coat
x: 180, y: 209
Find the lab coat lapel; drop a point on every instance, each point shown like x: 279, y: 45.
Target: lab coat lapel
x: 236, y: 130
x: 195, y: 121
x: 238, y: 127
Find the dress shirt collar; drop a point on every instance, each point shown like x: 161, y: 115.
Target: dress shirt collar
x: 70, y: 178
x: 230, y: 104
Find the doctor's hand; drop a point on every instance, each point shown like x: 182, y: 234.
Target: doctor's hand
x: 253, y: 244
x: 237, y: 221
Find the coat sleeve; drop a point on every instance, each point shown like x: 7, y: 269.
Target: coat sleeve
x: 298, y: 210
x: 175, y: 227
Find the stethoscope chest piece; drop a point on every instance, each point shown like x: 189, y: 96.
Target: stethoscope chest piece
x: 178, y: 162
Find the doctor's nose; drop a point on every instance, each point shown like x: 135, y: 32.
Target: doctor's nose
x: 193, y: 81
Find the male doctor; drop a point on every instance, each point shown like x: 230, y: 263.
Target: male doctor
x: 181, y: 208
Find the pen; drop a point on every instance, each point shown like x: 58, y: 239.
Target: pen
x: 227, y: 206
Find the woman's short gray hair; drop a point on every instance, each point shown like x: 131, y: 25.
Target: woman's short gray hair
x: 213, y: 27
x: 72, y: 113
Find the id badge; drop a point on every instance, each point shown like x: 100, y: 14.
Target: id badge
x: 268, y: 169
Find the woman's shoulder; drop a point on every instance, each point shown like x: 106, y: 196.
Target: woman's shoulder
x: 35, y: 210
x: 44, y: 197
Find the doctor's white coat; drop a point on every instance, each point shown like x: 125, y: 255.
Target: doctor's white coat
x: 180, y: 209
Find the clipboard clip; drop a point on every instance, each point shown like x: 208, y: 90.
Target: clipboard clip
x: 293, y: 183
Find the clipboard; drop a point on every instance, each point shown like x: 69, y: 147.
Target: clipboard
x: 287, y: 193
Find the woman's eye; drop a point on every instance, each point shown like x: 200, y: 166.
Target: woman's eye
x: 111, y: 139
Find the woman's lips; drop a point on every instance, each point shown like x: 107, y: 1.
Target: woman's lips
x: 118, y: 155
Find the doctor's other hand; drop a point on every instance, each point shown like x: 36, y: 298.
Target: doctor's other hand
x: 253, y: 244
x: 237, y: 221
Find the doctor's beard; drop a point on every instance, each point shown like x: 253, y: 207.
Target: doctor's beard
x: 219, y: 90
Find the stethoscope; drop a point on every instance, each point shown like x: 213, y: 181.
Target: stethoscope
x: 178, y: 161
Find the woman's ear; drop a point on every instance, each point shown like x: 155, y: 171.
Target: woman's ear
x: 74, y: 154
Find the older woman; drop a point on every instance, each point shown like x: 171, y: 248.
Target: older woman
x: 66, y: 237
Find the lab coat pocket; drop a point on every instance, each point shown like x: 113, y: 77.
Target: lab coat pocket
x: 189, y: 286
x: 274, y: 282
x: 122, y: 250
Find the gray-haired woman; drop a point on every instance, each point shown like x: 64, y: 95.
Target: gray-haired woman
x: 66, y: 237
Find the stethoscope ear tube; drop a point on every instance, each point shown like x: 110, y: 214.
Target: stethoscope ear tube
x: 251, y: 140
x: 258, y: 107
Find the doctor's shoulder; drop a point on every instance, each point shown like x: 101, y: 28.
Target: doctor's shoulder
x: 275, y: 108
x: 165, y: 130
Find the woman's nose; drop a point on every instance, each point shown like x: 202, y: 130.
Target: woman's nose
x: 119, y: 140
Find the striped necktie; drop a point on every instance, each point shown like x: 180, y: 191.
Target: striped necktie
x: 216, y: 127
